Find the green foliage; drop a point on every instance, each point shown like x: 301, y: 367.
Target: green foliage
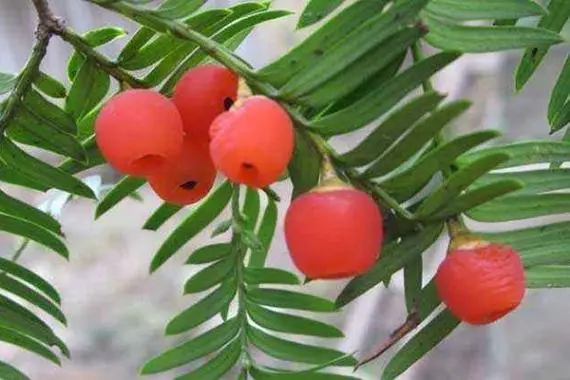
x: 349, y: 73
x: 241, y: 278
x: 317, y: 10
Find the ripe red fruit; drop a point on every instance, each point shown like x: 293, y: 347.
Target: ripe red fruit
x: 188, y: 177
x: 482, y: 284
x: 137, y: 130
x: 202, y: 94
x: 333, y: 232
x: 253, y: 143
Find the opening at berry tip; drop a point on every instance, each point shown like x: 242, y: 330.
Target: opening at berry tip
x: 248, y: 171
x: 189, y: 185
x: 228, y: 103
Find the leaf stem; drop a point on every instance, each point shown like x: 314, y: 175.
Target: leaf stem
x: 112, y: 68
x: 381, y: 196
x: 412, y: 321
x: 455, y: 223
x: 177, y: 29
x: 29, y: 72
x: 418, y: 55
x: 240, y: 251
x: 18, y: 253
x: 49, y: 25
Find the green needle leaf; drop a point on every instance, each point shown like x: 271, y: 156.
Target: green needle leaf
x: 50, y: 86
x: 296, y: 352
x: 331, y: 33
x: 491, y: 9
x: 516, y: 207
x: 9, y: 372
x: 291, y: 324
x: 21, y: 290
x: 427, y: 338
x: 196, y: 348
x: 7, y: 83
x: 41, y: 172
x: 265, y: 234
x: 316, y: 10
x: 291, y: 300
x: 391, y: 129
x: 560, y: 93
x: 394, y: 256
x: 161, y: 215
x: 24, y: 211
x: 478, y: 197
x: 305, y: 165
x: 557, y: 16
x: 34, y: 232
x: 457, y: 182
x: 199, y: 218
x: 210, y: 253
x: 203, y: 310
x: 123, y: 189
x: 258, y: 276
x: 210, y: 276
x: 524, y: 153
x: 382, y: 99
x: 43, y: 334
x: 417, y: 138
x: 408, y: 182
x: 333, y: 59
x: 259, y: 374
x: 26, y: 275
x: 29, y: 344
x: 481, y: 39
x: 215, y: 368
x: 548, y: 276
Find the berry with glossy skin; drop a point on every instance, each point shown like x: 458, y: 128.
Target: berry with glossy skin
x: 481, y: 284
x: 188, y: 177
x: 333, y: 232
x: 137, y: 130
x: 202, y: 94
x: 253, y: 143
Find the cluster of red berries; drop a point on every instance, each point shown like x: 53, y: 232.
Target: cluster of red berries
x: 179, y: 144
x: 333, y: 231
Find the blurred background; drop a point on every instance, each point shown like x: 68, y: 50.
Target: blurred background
x: 117, y: 312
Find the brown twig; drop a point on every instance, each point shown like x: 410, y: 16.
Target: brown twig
x: 50, y: 24
x: 46, y: 20
x: 412, y: 321
x: 110, y: 67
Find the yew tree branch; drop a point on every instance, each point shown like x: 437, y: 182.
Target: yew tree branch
x: 112, y: 68
x: 46, y: 20
x: 225, y: 57
x: 51, y: 24
x: 412, y: 321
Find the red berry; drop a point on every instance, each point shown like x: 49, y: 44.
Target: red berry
x: 202, y: 94
x: 137, y: 130
x: 482, y: 284
x: 187, y: 178
x: 253, y: 143
x: 334, y: 232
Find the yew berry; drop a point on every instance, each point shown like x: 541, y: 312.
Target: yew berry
x: 186, y: 178
x: 137, y: 130
x: 202, y: 94
x: 333, y: 232
x: 481, y: 284
x: 253, y: 142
